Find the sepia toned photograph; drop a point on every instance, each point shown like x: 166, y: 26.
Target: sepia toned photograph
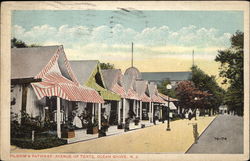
x: 125, y: 81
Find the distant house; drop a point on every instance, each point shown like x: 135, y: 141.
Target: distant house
x: 223, y: 109
x: 173, y: 77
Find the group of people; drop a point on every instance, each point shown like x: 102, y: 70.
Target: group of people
x: 190, y: 114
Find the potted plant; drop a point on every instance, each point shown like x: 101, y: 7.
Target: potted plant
x: 92, y: 128
x: 136, y: 121
x: 68, y: 130
x: 104, y: 127
x: 127, y: 121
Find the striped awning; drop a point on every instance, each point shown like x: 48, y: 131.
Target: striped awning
x: 157, y: 99
x: 131, y: 94
x: 145, y: 98
x: 54, y: 84
x: 165, y: 97
x: 119, y: 90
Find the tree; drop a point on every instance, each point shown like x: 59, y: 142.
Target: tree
x: 107, y: 66
x: 231, y: 69
x: 15, y: 43
x: 18, y: 43
x: 207, y: 83
x: 186, y: 93
x: 163, y: 89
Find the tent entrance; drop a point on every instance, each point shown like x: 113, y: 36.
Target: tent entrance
x: 113, y: 119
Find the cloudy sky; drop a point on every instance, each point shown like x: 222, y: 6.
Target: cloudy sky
x: 163, y: 40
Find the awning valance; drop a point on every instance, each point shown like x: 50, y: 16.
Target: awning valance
x: 106, y: 94
x: 54, y: 84
x: 157, y: 99
x: 165, y: 97
x: 145, y: 98
x: 131, y: 94
x: 172, y: 106
x: 119, y: 90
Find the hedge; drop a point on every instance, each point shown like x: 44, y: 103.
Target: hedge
x: 39, y: 142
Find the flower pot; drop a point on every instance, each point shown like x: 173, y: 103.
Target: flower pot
x: 68, y: 134
x: 136, y: 122
x: 120, y: 126
x: 92, y: 130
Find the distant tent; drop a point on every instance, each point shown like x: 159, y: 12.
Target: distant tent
x: 113, y: 81
x: 153, y: 92
x: 128, y: 84
x: 165, y: 97
x: 88, y: 72
x: 141, y: 87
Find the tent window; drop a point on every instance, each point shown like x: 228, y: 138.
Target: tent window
x: 98, y: 79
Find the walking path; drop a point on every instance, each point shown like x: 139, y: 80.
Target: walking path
x: 223, y: 136
x: 153, y: 139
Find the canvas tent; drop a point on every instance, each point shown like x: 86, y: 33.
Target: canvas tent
x: 88, y: 72
x: 141, y: 87
x: 58, y: 83
x: 113, y: 80
x: 156, y: 101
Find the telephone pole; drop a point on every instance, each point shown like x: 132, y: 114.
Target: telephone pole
x: 193, y: 58
x: 132, y: 63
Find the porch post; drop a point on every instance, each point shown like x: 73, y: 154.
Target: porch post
x: 140, y: 110
x: 99, y: 115
x: 123, y: 113
x: 93, y: 112
x: 119, y: 112
x: 58, y: 117
x: 137, y: 108
x: 134, y: 102
x: 150, y: 116
x: 152, y: 111
x: 160, y: 111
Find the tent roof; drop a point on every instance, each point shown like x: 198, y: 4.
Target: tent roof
x: 165, y: 97
x: 152, y: 89
x: 83, y: 69
x: 134, y: 72
x: 28, y: 62
x: 141, y: 86
x: 128, y: 82
x: 110, y: 77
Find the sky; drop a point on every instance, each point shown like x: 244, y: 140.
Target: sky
x: 163, y: 40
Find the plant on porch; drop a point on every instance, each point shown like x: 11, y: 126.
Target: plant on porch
x: 92, y: 127
x: 104, y: 126
x: 43, y: 136
x: 127, y: 121
x: 68, y: 130
x: 137, y: 120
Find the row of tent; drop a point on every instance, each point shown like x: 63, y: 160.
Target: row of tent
x: 44, y: 77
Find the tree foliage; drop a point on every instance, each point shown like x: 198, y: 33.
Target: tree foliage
x: 18, y: 43
x: 107, y: 66
x: 231, y: 69
x: 163, y: 89
x: 186, y: 92
x: 207, y: 83
x: 15, y: 43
